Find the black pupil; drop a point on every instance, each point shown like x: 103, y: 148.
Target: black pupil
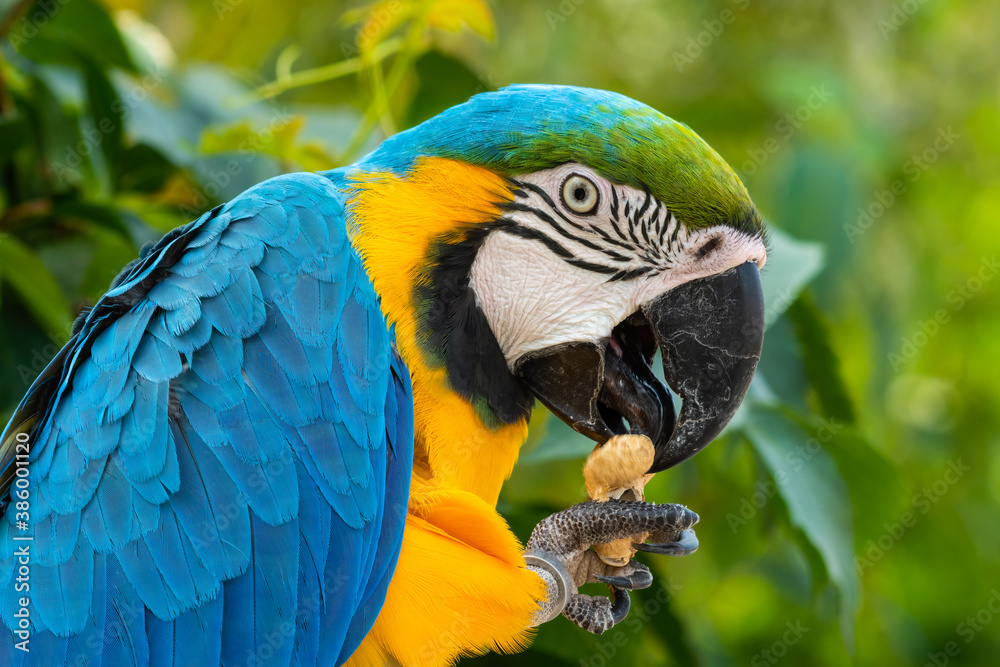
x: 580, y: 193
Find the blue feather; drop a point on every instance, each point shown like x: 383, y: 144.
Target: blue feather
x: 293, y: 402
x: 193, y: 638
x: 182, y: 571
x: 314, y: 536
x: 62, y: 593
x: 219, y: 359
x: 107, y: 519
x: 55, y: 538
x: 239, y: 309
x: 125, y: 639
x: 210, y: 509
x: 260, y: 605
x: 271, y: 489
x: 87, y: 647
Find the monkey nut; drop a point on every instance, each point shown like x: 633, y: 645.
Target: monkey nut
x: 617, y: 469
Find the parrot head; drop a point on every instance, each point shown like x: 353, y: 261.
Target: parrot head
x: 562, y: 236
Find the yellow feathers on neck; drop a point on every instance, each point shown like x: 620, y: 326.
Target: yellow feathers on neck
x: 395, y: 222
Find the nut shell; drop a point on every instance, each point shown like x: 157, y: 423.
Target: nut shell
x: 617, y: 469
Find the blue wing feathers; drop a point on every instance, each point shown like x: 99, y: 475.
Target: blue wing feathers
x: 55, y: 538
x: 399, y: 405
x: 157, y: 361
x: 70, y: 496
x: 107, y: 518
x: 259, y: 618
x: 210, y: 509
x: 221, y: 462
x: 125, y: 638
x: 62, y: 594
x: 193, y: 638
x: 314, y: 537
x: 220, y: 358
x: 270, y: 490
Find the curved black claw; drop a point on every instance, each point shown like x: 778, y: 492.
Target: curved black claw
x: 620, y: 606
x: 686, y: 543
x: 640, y: 578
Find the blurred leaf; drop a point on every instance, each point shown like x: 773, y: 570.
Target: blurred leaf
x: 99, y: 214
x: 444, y: 82
x: 71, y: 29
x: 57, y: 127
x: 453, y: 14
x: 791, y: 265
x: 14, y: 133
x: 110, y: 254
x: 819, y: 359
x: 279, y: 139
x: 381, y: 19
x: 559, y: 443
x: 666, y: 624
x: 815, y: 494
x: 23, y: 271
x: 106, y: 113
x: 874, y: 482
x: 144, y: 169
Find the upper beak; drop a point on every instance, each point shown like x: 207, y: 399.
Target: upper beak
x: 710, y: 333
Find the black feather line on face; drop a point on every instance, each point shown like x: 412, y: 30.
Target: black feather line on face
x: 631, y: 274
x: 550, y: 221
x: 657, y: 219
x: 607, y: 237
x: 667, y: 216
x: 534, y: 235
x: 632, y: 223
x: 455, y: 333
x: 647, y: 251
x: 645, y: 205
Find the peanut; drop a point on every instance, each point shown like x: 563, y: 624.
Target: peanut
x: 617, y: 469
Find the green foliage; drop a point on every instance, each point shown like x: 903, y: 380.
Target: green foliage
x: 849, y: 511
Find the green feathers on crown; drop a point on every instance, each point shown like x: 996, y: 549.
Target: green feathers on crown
x: 527, y: 128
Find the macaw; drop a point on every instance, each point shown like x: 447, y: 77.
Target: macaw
x: 279, y: 438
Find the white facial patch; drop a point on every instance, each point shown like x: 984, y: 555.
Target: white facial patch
x: 554, y: 275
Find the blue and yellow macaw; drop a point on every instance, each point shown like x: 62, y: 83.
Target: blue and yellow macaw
x: 280, y: 436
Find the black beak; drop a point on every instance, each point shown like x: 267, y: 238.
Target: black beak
x: 710, y: 333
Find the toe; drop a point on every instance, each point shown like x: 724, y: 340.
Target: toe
x: 685, y: 543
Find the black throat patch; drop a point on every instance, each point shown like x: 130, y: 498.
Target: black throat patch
x: 454, y: 333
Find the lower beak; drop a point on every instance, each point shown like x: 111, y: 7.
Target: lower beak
x: 710, y: 333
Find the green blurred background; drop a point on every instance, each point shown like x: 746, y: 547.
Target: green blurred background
x: 850, y: 512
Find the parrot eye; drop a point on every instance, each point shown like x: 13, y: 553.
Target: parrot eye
x: 579, y: 194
